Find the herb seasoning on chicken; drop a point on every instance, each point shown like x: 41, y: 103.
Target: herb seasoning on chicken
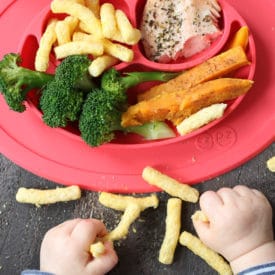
x: 172, y: 29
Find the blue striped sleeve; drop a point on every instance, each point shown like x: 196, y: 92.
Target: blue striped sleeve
x: 264, y: 269
x: 35, y: 272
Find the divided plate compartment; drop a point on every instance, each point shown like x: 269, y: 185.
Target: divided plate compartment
x: 230, y: 21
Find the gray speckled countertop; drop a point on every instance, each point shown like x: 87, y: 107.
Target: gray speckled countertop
x: 22, y: 226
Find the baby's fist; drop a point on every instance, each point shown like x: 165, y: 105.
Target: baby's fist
x: 65, y: 249
x: 240, y: 220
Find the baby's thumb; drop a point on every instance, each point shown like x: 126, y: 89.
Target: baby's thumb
x: 201, y: 224
x: 201, y: 227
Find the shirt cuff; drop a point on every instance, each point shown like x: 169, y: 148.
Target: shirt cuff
x: 264, y: 269
x: 35, y: 272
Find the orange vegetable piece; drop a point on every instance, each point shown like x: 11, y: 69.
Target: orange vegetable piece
x: 240, y: 38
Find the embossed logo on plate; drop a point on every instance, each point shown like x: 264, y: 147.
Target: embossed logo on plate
x: 221, y: 138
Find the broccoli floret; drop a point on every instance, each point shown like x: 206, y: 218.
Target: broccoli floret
x: 61, y: 100
x: 73, y: 71
x: 114, y: 82
x: 102, y: 109
x: 101, y: 117
x: 17, y: 81
x: 60, y: 104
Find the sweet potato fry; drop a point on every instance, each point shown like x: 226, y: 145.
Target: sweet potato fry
x: 240, y: 38
x: 214, y: 67
x: 180, y: 105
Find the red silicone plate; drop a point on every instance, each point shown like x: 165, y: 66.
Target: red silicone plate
x: 230, y: 22
x: 60, y: 155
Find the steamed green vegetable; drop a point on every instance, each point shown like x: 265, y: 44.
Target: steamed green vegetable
x: 62, y: 98
x: 114, y: 82
x: 72, y: 95
x: 16, y: 81
x: 101, y: 117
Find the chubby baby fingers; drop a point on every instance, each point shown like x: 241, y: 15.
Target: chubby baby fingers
x: 86, y: 231
x: 105, y: 262
x: 209, y: 202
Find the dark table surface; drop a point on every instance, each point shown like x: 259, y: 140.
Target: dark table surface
x: 22, y: 226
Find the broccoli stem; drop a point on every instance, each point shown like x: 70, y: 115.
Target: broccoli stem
x: 16, y: 81
x: 152, y: 130
x: 134, y: 78
x: 85, y: 83
x: 32, y: 79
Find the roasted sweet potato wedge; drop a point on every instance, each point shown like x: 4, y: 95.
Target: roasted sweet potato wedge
x: 215, y: 67
x: 178, y: 105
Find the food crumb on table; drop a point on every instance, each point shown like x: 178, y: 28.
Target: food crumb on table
x: 271, y: 164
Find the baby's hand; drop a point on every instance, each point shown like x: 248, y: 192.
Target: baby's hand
x: 65, y: 249
x: 239, y: 227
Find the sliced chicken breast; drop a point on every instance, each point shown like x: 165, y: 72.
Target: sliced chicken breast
x: 172, y: 29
